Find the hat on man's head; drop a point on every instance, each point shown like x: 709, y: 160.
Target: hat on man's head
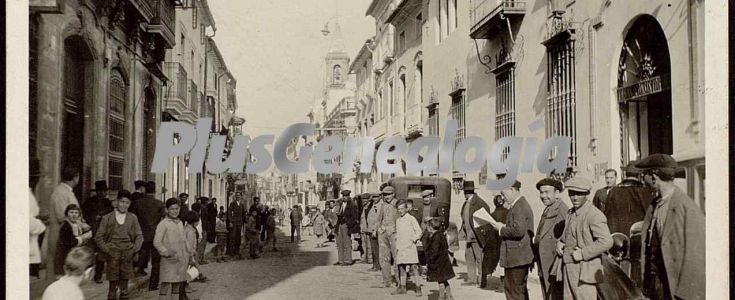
x: 516, y: 184
x: 345, y: 192
x: 631, y: 167
x: 657, y: 161
x: 427, y: 193
x: 579, y: 184
x: 139, y: 184
x: 375, y: 195
x: 100, y: 185
x: 150, y: 187
x: 365, y: 196
x: 550, y: 182
x: 468, y: 186
x: 389, y: 189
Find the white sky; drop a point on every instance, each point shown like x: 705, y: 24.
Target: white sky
x: 275, y: 50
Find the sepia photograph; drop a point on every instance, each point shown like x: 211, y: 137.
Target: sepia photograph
x: 370, y: 149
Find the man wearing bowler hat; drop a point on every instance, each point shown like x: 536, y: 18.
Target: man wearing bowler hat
x: 93, y: 210
x: 548, y: 233
x: 475, y: 236
x: 673, y: 236
x: 516, y: 253
x: 586, y: 238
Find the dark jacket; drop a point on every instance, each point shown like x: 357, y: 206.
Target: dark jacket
x: 517, y: 235
x: 627, y: 203
x: 548, y: 233
x: 482, y: 232
x: 236, y: 213
x: 94, y: 209
x: 682, y: 246
x: 349, y: 216
x: 600, y: 199
x: 439, y: 268
x: 149, y: 212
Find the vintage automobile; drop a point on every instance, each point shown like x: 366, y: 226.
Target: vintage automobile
x: 410, y: 187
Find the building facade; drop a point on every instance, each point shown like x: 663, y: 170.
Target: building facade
x: 622, y: 80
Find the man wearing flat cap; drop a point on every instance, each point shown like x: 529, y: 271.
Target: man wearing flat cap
x: 372, y: 229
x: 586, y: 238
x: 364, y: 229
x: 516, y: 251
x: 673, y: 252
x: 387, y: 234
x: 347, y: 222
x: 474, y: 235
x: 550, y: 229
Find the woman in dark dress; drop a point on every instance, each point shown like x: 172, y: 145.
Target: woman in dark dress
x: 439, y: 268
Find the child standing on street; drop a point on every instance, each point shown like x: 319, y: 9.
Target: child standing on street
x: 71, y: 234
x: 270, y: 229
x: 251, y: 234
x: 221, y: 230
x: 439, y: 267
x: 119, y: 237
x: 170, y: 242
x: 319, y: 229
x: 408, y: 233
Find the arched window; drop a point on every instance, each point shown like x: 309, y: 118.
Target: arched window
x: 337, y: 74
x: 118, y: 96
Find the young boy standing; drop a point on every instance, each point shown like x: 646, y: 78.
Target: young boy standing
x: 221, y: 230
x: 270, y: 229
x: 119, y: 237
x: 408, y: 233
x: 251, y: 234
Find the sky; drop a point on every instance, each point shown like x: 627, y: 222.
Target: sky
x: 275, y: 50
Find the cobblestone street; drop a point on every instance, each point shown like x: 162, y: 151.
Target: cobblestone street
x: 305, y: 272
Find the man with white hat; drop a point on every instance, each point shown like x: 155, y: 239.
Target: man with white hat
x: 586, y: 238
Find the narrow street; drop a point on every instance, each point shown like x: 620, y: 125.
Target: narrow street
x: 306, y: 272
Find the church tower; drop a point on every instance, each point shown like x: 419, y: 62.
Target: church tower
x: 337, y: 62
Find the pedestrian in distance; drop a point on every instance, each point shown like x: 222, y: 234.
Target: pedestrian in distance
x: 439, y: 267
x: 600, y: 198
x: 170, y: 242
x: 221, y: 229
x: 119, y: 237
x: 71, y: 234
x: 408, y: 234
x: 251, y: 234
x: 586, y: 238
x: 475, y: 235
x: 296, y: 218
x: 78, y: 268
x: 236, y: 216
x: 319, y: 228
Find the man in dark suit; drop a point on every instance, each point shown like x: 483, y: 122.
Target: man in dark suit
x: 93, y: 210
x: 550, y: 229
x: 475, y: 236
x: 137, y: 195
x: 600, y: 198
x: 236, y: 216
x: 516, y: 253
x: 347, y: 219
x: 149, y: 211
x: 628, y: 201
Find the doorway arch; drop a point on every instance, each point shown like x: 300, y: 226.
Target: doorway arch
x: 644, y: 91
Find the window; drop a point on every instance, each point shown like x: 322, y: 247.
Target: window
x: 445, y: 16
x: 433, y: 121
x: 202, y: 33
x: 505, y: 106
x: 452, y: 19
x: 194, y: 16
x: 560, y: 106
x: 394, y: 103
x: 183, y: 45
x: 457, y: 113
x: 381, y: 106
x: 419, y: 26
x: 116, y: 130
x: 401, y: 41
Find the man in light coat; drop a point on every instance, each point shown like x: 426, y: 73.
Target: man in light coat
x: 372, y: 229
x: 585, y: 239
x: 550, y: 229
x: 61, y: 197
x: 673, y: 252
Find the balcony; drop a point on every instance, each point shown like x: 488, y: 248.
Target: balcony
x: 176, y: 96
x: 378, y: 130
x: 488, y: 17
x: 145, y: 7
x: 413, y: 121
x: 161, y: 24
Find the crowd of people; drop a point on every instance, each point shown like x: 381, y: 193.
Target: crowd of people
x: 642, y: 237
x: 121, y: 238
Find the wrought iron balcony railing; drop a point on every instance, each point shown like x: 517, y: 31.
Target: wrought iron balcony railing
x: 162, y: 21
x: 488, y: 16
x: 176, y: 95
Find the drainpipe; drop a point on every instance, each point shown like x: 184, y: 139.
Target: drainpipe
x: 206, y: 61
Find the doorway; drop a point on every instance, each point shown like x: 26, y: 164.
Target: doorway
x: 77, y: 60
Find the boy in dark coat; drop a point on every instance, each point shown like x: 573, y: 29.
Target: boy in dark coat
x: 439, y: 268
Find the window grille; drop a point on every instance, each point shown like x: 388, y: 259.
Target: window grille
x: 561, y: 97
x: 505, y: 107
x: 116, y: 130
x: 457, y: 111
